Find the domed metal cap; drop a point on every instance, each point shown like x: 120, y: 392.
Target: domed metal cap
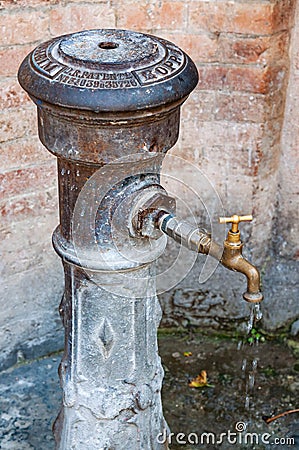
x: 108, y: 70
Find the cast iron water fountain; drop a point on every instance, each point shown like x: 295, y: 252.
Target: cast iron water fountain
x: 108, y: 104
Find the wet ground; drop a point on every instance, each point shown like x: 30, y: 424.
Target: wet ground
x: 269, y: 373
x: 247, y: 382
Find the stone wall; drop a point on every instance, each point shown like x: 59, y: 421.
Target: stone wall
x: 236, y: 128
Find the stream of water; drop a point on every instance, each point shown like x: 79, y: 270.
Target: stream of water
x: 255, y: 315
x: 249, y: 368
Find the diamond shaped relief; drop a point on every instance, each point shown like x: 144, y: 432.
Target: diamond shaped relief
x: 106, y: 336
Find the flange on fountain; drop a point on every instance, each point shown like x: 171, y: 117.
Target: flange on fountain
x: 108, y: 106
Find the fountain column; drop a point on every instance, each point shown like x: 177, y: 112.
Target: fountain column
x: 108, y: 106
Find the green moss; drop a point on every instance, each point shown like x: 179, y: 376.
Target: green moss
x: 255, y: 336
x: 258, y: 333
x: 269, y: 372
x: 294, y: 346
x: 296, y: 366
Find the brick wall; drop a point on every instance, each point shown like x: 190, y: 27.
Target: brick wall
x: 235, y: 117
x: 287, y: 219
x: 31, y: 282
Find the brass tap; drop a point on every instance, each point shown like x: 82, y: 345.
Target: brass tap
x: 232, y: 258
x: 154, y: 215
x: 230, y: 255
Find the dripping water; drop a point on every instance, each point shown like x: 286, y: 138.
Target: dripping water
x: 249, y: 369
x: 255, y: 315
x: 250, y: 381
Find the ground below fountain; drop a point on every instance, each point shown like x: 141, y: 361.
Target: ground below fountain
x: 30, y: 393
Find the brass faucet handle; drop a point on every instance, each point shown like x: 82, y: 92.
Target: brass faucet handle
x: 235, y: 220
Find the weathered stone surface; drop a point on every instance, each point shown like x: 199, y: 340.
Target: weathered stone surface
x: 111, y: 372
x: 30, y: 396
x: 31, y: 287
x: 295, y: 328
x: 281, y: 281
x: 30, y: 323
x: 219, y: 304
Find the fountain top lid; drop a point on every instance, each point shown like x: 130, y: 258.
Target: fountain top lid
x: 108, y: 70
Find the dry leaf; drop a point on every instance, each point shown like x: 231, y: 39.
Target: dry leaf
x: 200, y: 381
x: 187, y: 354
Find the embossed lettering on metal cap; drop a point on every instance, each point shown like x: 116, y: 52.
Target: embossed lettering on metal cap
x: 108, y: 70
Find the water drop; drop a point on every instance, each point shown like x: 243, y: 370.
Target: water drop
x: 247, y: 402
x: 251, y: 320
x: 254, y: 364
x: 258, y: 312
x: 255, y: 315
x: 251, y: 380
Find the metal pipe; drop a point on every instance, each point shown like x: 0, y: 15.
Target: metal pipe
x: 229, y: 255
x: 154, y: 214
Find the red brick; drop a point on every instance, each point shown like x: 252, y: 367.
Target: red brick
x: 164, y: 15
x: 241, y: 78
x: 248, y: 79
x: 255, y: 18
x: 236, y: 152
x: 13, y: 4
x: 23, y: 27
x: 29, y: 205
x: 212, y: 77
x: 256, y: 80
x: 200, y: 47
x: 200, y: 106
x: 278, y: 77
x: 250, y: 17
x: 206, y: 16
x: 12, y: 95
x: 283, y: 14
x: 31, y: 179
x: 11, y: 58
x: 247, y: 50
x: 280, y: 44
x: 238, y: 107
x: 242, y: 107
x: 88, y: 1
x: 74, y: 18
x: 134, y: 16
x: 17, y: 122
x: 19, y: 153
x: 169, y: 15
x: 217, y: 140
x: 233, y: 49
x: 295, y: 48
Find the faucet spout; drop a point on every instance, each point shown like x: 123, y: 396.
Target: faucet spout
x: 233, y: 259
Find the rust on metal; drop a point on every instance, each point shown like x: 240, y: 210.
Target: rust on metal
x: 108, y: 105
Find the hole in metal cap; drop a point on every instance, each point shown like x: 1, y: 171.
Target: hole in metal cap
x: 108, y: 45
